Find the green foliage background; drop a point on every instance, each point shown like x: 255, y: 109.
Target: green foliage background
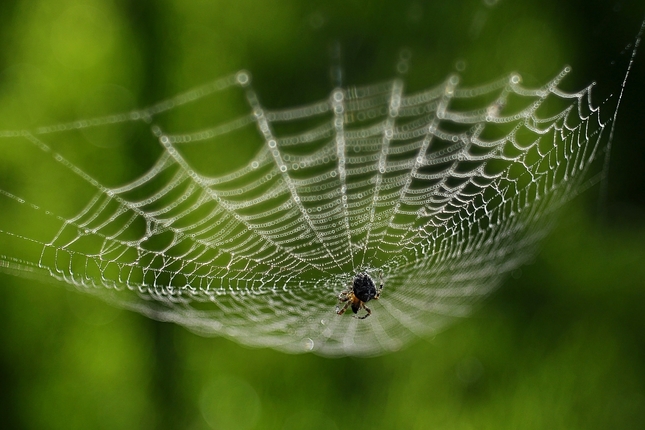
x: 561, y: 345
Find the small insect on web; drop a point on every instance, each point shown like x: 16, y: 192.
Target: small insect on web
x: 437, y: 194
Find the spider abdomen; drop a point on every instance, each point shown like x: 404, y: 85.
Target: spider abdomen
x: 363, y: 287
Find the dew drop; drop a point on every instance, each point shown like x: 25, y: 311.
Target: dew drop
x: 242, y: 78
x: 308, y: 344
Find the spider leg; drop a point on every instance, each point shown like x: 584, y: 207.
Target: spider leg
x: 340, y: 311
x: 343, y: 296
x: 368, y: 310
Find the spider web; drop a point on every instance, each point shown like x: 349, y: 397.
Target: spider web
x: 443, y: 191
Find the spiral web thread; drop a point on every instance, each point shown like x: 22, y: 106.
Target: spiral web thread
x: 443, y: 191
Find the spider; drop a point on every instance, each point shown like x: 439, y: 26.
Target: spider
x: 362, y: 291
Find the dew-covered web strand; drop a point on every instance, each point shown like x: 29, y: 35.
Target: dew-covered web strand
x: 113, y: 194
x: 388, y: 134
x: 418, y: 161
x: 271, y: 143
x: 197, y: 179
x: 338, y: 107
x: 455, y: 196
x: 604, y: 191
x: 383, y: 189
x: 92, y: 209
